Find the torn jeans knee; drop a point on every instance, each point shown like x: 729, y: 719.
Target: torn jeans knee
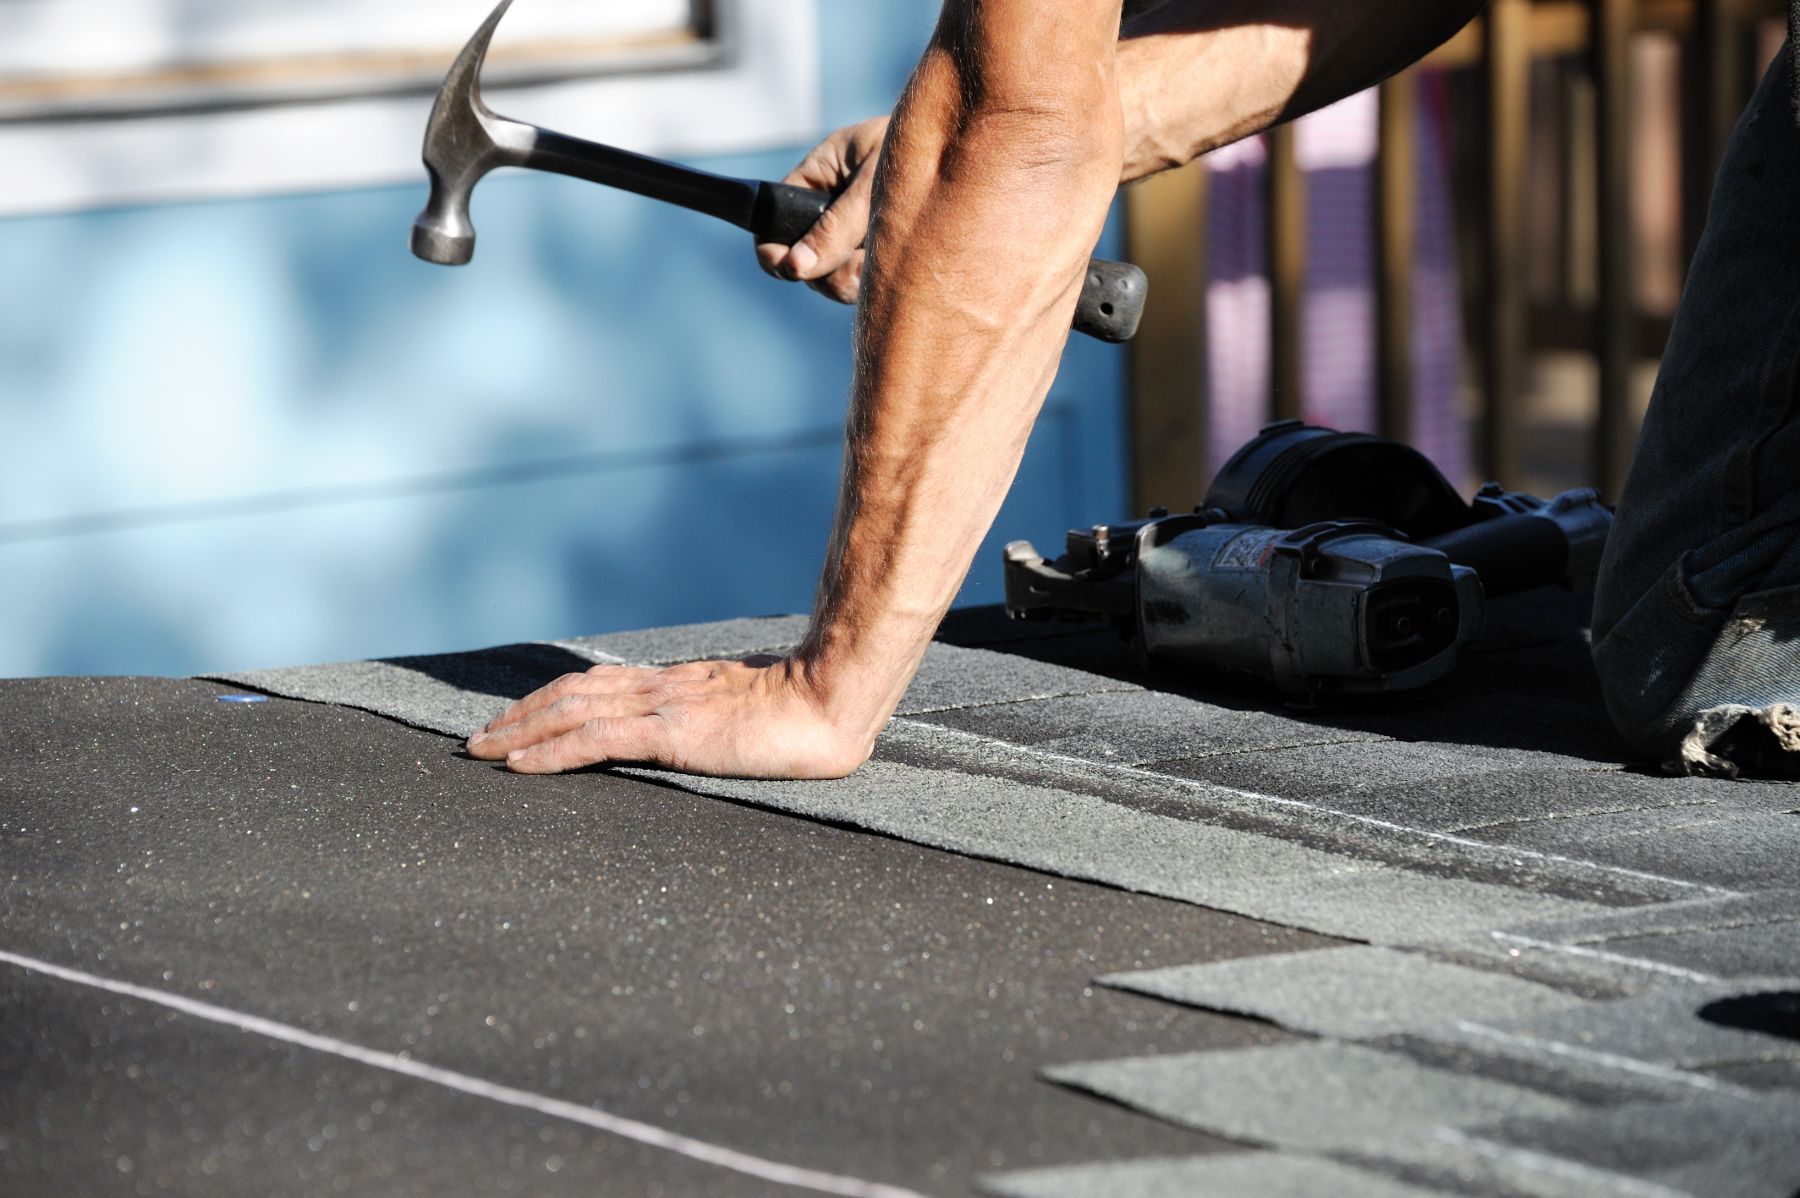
x: 1745, y: 698
x: 1706, y: 691
x: 1731, y: 737
x: 1702, y: 671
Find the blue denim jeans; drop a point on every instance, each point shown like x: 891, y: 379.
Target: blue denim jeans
x: 1697, y: 610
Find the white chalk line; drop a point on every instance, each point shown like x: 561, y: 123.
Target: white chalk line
x: 556, y: 1108
x: 1140, y: 774
x: 1580, y: 950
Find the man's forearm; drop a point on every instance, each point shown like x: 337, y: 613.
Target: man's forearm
x: 995, y: 179
x: 1197, y: 74
x: 994, y: 185
x: 991, y: 191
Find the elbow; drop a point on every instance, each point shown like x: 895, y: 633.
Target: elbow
x: 1053, y: 131
x: 1042, y: 141
x: 1043, y: 101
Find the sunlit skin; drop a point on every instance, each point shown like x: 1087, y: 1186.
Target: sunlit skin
x: 961, y: 229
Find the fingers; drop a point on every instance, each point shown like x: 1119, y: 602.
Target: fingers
x: 845, y: 166
x: 751, y: 718
x: 624, y: 739
x: 601, y: 680
x: 825, y: 168
x: 843, y: 284
x: 837, y: 235
x: 770, y: 255
x: 562, y: 716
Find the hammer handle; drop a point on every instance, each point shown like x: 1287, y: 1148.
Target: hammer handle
x: 1112, y: 294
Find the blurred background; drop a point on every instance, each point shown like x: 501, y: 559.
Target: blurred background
x: 243, y: 427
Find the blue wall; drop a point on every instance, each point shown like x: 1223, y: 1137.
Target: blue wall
x: 258, y: 432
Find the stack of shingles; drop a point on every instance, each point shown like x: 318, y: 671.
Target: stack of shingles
x: 1572, y: 978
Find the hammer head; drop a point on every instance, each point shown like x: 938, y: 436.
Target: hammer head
x: 459, y: 150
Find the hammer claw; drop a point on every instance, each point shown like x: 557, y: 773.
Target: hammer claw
x: 459, y: 150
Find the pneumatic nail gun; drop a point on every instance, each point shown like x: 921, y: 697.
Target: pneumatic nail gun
x: 1329, y: 563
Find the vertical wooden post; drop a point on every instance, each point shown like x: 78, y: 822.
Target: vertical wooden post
x: 1165, y: 232
x: 1579, y: 215
x: 1615, y: 324
x: 1286, y: 234
x: 1396, y: 177
x: 1504, y: 68
x: 1712, y: 96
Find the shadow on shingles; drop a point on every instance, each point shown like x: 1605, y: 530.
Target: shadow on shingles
x: 506, y: 672
x: 1511, y: 691
x: 1776, y: 1013
x: 1528, y: 683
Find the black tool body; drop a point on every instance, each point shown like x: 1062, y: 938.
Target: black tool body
x: 1330, y: 564
x: 1293, y: 473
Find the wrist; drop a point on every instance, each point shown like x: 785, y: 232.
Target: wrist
x: 856, y: 677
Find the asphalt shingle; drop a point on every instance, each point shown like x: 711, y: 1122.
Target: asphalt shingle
x: 953, y: 680
x: 1317, y: 1097
x: 1138, y: 726
x: 1669, y: 1027
x: 1222, y: 1175
x: 1081, y: 836
x: 1487, y: 823
x: 1696, y: 842
x: 695, y: 642
x: 1719, y: 1146
x: 1466, y: 796
x: 1346, y: 992
x: 1701, y: 940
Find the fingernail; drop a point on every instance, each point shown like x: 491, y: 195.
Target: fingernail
x: 478, y: 737
x: 514, y: 756
x: 800, y: 259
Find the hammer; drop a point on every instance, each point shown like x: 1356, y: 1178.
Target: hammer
x: 465, y: 139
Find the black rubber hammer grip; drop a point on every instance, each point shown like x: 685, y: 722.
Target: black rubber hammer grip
x: 1112, y: 295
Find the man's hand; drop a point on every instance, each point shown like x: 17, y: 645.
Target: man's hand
x: 757, y: 718
x: 829, y: 259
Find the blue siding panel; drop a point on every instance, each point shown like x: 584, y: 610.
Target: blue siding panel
x: 258, y: 432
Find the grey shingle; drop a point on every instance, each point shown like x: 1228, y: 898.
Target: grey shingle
x: 396, y: 691
x: 1460, y: 800
x: 1701, y: 940
x: 951, y: 678
x: 1663, y: 1028
x: 1720, y: 1146
x: 694, y: 642
x: 1223, y: 1175
x: 1751, y: 951
x: 1346, y: 771
x: 1347, y: 992
x: 1699, y: 914
x: 1081, y: 836
x: 1391, y: 906
x: 1742, y: 851
x: 1139, y: 726
x: 1318, y: 1097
